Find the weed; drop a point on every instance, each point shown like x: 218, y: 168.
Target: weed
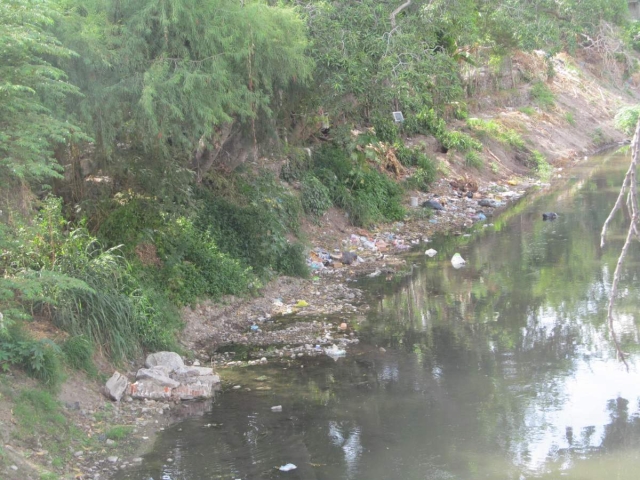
x: 498, y: 131
x: 78, y: 352
x: 541, y: 94
x: 494, y: 167
x: 528, y: 111
x: 38, y: 411
x: 540, y: 164
x: 570, y: 119
x: 473, y: 159
x: 119, y: 432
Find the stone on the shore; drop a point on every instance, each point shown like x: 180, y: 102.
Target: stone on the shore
x: 166, y: 359
x: 193, y: 391
x: 149, y: 389
x: 158, y: 376
x: 193, y: 371
x: 116, y: 386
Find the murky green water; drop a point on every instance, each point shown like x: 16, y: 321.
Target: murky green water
x: 501, y: 370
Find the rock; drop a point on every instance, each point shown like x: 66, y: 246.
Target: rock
x: 549, y: 216
x: 433, y: 204
x: 382, y: 350
x: 166, y: 359
x: 14, y: 468
x: 112, y: 459
x: 77, y: 454
x: 116, y: 386
x: 348, y: 258
x: 149, y: 389
x: 110, y: 442
x: 487, y: 202
x: 157, y: 376
x: 202, y: 388
x: 193, y: 371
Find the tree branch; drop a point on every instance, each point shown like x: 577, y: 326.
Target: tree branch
x: 392, y: 17
x: 629, y: 184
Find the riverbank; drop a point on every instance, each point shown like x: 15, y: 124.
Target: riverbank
x: 277, y: 325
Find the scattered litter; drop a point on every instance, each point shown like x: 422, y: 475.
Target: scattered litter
x: 288, y: 467
x: 335, y: 352
x: 376, y: 273
x: 431, y: 252
x: 302, y: 304
x: 278, y: 408
x: 457, y: 261
x: 255, y: 328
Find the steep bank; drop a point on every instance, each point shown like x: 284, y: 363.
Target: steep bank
x: 562, y: 138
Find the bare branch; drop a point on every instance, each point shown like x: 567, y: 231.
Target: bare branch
x: 392, y: 17
x: 630, y: 184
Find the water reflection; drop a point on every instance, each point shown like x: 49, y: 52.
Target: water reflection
x: 503, y: 369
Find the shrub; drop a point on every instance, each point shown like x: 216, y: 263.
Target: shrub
x: 194, y: 267
x: 315, y: 196
x: 386, y: 130
x: 254, y: 227
x: 292, y: 261
x: 367, y: 195
x: 296, y: 166
x: 40, y: 359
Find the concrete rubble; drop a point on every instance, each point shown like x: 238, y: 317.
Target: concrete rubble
x: 165, y: 377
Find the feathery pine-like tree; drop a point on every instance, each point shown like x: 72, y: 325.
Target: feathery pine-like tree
x: 32, y: 92
x: 171, y: 75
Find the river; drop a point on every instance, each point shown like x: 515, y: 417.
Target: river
x: 503, y: 369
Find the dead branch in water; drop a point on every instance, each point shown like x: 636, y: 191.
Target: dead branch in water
x: 629, y: 189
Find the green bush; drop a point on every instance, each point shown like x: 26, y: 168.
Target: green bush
x: 193, y: 266
x: 367, y: 195
x: 40, y: 359
x: 315, y: 196
x: 87, y: 290
x: 254, y: 226
x: 386, y: 130
x: 296, y: 166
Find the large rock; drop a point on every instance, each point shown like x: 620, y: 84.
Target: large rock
x: 166, y: 359
x: 193, y: 371
x: 158, y: 376
x: 196, y: 390
x: 149, y: 389
x: 212, y: 379
x: 116, y: 386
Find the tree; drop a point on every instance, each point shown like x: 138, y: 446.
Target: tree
x: 178, y: 77
x: 32, y: 92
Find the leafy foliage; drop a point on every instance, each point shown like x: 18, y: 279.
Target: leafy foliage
x: 315, y: 196
x: 33, y: 120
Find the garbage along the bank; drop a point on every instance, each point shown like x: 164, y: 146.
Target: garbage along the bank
x: 457, y: 261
